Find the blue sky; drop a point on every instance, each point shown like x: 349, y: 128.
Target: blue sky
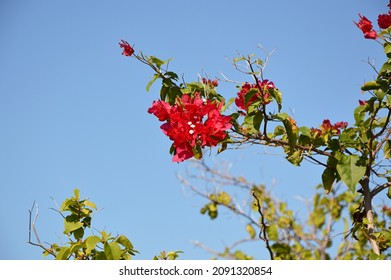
x: 73, y: 111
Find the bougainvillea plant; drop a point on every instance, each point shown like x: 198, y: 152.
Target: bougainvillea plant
x: 357, y: 154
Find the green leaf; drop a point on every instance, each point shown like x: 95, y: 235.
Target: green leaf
x: 158, y: 62
x: 272, y: 232
x: 173, y: 93
x: 306, y: 131
x: 318, y: 218
x: 76, y: 193
x: 371, y: 85
x: 71, y: 226
x: 172, y: 75
x: 227, y: 104
x: 63, y: 254
x: 386, y: 68
x: 150, y: 83
x: 295, y: 157
x: 387, y: 149
x: 212, y: 210
x: 105, y: 236
x: 328, y: 178
x: 389, y: 192
x: 124, y: 241
x: 253, y: 122
x: 197, y: 152
x: 223, y: 198
x: 78, y: 233
x: 276, y: 94
x: 279, y: 130
x: 237, y: 59
x: 376, y: 257
x: 359, y: 115
x: 163, y: 92
x: 251, y: 231
x: 350, y: 171
x: 291, y: 130
x: 75, y: 247
x: 112, y: 251
x: 90, y: 204
x: 387, y: 49
x: 250, y: 93
x: 91, y: 242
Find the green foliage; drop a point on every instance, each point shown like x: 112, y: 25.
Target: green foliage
x: 334, y: 227
x: 172, y: 255
x: 97, y: 246
x: 77, y: 214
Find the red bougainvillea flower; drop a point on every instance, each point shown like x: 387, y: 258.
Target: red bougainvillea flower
x: 316, y: 132
x: 262, y: 95
x: 384, y: 21
x: 211, y: 83
x: 215, y: 127
x: 362, y: 102
x: 340, y: 125
x: 370, y: 35
x: 190, y: 123
x: 366, y: 27
x: 326, y: 127
x: 364, y: 24
x: 160, y: 109
x: 128, y: 50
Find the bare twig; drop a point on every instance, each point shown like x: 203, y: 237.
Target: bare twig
x: 32, y: 223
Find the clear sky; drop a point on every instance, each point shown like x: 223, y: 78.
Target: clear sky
x: 73, y: 111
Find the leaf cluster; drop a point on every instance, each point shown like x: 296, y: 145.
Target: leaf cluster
x: 77, y: 214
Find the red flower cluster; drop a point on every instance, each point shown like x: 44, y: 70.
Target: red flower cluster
x: 211, y: 83
x: 128, y: 50
x: 383, y: 20
x: 327, y: 128
x: 262, y: 95
x: 366, y: 27
x: 191, y: 123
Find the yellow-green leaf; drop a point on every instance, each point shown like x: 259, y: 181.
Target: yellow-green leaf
x: 71, y: 226
x: 124, y: 241
x: 91, y: 242
x: 63, y: 254
x: 112, y: 251
x: 90, y: 204
x: 272, y: 232
x: 251, y: 231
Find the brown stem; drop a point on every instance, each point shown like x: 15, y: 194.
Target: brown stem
x: 369, y: 213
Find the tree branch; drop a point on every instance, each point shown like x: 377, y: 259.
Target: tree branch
x: 369, y: 213
x: 263, y: 233
x: 32, y: 223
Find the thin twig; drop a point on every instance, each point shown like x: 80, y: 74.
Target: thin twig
x: 32, y: 223
x: 263, y: 233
